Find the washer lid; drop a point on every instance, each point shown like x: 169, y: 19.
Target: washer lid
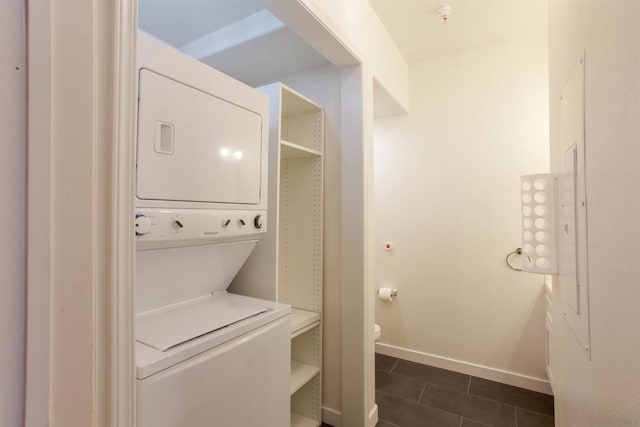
x: 150, y: 361
x: 177, y: 324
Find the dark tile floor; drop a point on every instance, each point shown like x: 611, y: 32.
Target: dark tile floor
x: 411, y: 394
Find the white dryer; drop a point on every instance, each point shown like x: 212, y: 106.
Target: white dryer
x: 204, y: 356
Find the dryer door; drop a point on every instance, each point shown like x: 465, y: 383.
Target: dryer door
x: 195, y: 147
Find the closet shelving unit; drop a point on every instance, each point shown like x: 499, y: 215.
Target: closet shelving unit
x: 299, y: 136
x: 286, y: 266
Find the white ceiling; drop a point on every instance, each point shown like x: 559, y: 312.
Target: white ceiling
x: 267, y: 59
x: 419, y: 32
x: 243, y: 43
x: 180, y: 21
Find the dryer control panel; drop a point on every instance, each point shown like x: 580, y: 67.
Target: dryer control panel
x: 163, y: 225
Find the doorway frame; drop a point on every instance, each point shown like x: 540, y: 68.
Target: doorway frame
x: 113, y: 27
x: 357, y: 342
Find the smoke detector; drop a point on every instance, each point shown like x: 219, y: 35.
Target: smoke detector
x: 444, y: 12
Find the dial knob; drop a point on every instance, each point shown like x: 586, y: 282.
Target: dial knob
x: 258, y: 221
x: 142, y: 225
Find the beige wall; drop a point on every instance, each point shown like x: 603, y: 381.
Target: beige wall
x: 606, y: 390
x: 13, y: 146
x: 447, y: 195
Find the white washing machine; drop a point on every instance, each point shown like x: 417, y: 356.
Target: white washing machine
x: 204, y: 356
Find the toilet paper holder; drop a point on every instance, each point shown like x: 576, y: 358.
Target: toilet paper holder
x: 394, y: 292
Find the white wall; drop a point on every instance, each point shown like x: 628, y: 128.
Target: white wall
x: 358, y: 27
x: 447, y: 195
x: 606, y: 390
x: 12, y: 223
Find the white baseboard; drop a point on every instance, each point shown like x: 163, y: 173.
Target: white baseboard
x: 332, y: 417
x: 493, y: 374
x: 373, y: 416
x: 550, y: 376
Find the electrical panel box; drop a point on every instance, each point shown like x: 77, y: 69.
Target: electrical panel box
x: 573, y: 280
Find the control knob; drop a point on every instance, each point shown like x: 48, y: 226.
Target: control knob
x: 142, y: 224
x: 258, y: 221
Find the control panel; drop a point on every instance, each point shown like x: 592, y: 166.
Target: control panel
x: 154, y: 225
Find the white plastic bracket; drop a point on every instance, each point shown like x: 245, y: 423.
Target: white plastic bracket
x: 539, y: 241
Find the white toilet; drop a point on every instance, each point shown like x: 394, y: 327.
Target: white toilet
x: 377, y: 331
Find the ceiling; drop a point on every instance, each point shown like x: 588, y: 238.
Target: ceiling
x: 238, y: 37
x: 179, y: 22
x: 420, y: 33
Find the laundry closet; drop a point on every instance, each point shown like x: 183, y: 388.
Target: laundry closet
x: 229, y: 217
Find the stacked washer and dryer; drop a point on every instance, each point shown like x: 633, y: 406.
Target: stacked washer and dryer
x: 204, y: 356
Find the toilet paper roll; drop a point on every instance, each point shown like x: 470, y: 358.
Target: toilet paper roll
x: 386, y: 294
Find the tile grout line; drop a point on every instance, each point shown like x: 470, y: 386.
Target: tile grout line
x: 422, y: 392
x: 420, y: 378
x: 419, y: 404
x: 394, y: 365
x: 496, y: 399
x: 544, y: 414
x: 480, y: 396
x: 502, y: 402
